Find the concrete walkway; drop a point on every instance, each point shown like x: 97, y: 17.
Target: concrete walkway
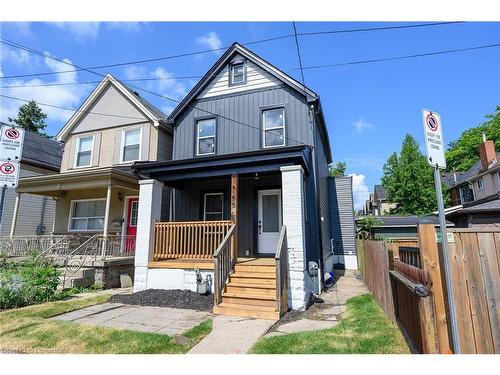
x: 327, y: 314
x: 232, y: 335
x: 163, y: 320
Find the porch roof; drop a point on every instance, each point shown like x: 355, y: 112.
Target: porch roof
x: 243, y: 163
x: 57, y: 184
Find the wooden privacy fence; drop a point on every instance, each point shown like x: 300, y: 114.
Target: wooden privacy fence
x: 188, y: 239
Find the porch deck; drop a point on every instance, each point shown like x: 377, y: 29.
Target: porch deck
x: 206, y: 264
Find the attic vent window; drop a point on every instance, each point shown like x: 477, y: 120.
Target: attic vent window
x: 237, y: 74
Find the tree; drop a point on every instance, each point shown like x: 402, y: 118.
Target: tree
x: 338, y: 169
x: 464, y: 152
x: 31, y: 118
x: 409, y: 181
x: 365, y: 226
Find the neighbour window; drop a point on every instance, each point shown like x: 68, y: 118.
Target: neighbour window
x: 84, y: 151
x: 498, y: 175
x: 213, y: 206
x: 134, y: 211
x: 205, y: 137
x: 466, y: 194
x: 237, y: 73
x: 131, y: 142
x: 87, y: 215
x: 480, y: 183
x: 274, y: 127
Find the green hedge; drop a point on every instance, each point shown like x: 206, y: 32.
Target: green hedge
x: 27, y: 283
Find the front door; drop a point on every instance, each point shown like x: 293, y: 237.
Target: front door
x: 131, y: 225
x: 269, y: 220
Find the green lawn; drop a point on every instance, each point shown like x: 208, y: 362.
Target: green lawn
x: 28, y: 330
x: 364, y: 329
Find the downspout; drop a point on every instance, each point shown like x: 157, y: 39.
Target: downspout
x: 40, y: 229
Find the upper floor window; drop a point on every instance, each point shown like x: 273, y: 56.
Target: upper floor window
x: 480, y: 183
x: 84, y: 151
x: 87, y: 215
x: 273, y: 121
x: 205, y: 136
x: 213, y: 207
x: 237, y: 74
x: 466, y: 194
x: 131, y: 145
x: 498, y: 175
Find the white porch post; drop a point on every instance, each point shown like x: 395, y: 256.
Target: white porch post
x: 106, y: 222
x: 150, y: 194
x: 14, y: 215
x: 292, y: 181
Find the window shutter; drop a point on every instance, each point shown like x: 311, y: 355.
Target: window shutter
x: 96, y: 150
x: 146, y: 135
x: 118, y: 145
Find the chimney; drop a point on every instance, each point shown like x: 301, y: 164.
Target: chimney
x: 487, y: 153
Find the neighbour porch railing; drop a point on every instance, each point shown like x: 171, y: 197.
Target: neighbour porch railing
x: 223, y: 264
x: 281, y: 259
x: 27, y: 245
x: 188, y: 239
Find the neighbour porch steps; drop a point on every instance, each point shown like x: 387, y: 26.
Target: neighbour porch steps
x: 251, y: 290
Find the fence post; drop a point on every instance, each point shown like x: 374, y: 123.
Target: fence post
x: 430, y: 262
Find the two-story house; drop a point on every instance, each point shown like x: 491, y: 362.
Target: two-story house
x: 249, y: 192
x: 96, y: 191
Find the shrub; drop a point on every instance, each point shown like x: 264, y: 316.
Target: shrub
x: 26, y: 283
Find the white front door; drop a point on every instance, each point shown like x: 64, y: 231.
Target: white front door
x: 269, y: 220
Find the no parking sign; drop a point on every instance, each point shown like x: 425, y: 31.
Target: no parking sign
x: 9, y: 173
x: 434, y: 142
x: 11, y: 148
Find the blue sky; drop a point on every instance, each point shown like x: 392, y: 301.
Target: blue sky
x: 369, y: 108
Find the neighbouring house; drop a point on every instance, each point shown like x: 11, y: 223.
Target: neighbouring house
x: 377, y: 203
x: 249, y: 192
x: 475, y: 192
x: 401, y: 227
x: 96, y: 191
x: 41, y: 156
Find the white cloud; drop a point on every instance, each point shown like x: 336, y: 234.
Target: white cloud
x: 125, y: 26
x: 361, y: 125
x: 1, y: 73
x: 210, y: 40
x: 360, y: 191
x: 134, y: 72
x: 81, y: 30
x: 15, y: 56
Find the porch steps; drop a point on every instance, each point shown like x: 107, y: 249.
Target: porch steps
x: 251, y: 291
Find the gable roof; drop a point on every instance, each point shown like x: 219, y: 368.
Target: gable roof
x: 41, y: 151
x: 148, y: 109
x: 465, y: 176
x: 237, y: 48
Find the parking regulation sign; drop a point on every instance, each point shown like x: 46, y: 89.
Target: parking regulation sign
x: 433, y: 135
x: 9, y: 173
x: 11, y: 143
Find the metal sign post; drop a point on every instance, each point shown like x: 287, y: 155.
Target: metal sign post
x: 435, y: 157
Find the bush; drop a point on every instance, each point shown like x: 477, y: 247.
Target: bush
x: 27, y: 283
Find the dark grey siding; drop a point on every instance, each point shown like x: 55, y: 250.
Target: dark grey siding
x: 342, y: 215
x: 245, y: 107
x: 164, y: 145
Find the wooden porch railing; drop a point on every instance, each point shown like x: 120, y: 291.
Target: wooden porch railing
x: 188, y: 239
x: 281, y: 259
x: 223, y: 264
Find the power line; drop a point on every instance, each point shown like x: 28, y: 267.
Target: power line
x: 188, y: 54
x: 298, y: 54
x: 31, y: 50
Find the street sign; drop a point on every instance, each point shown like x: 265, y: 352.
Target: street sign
x: 9, y: 173
x: 11, y: 143
x: 433, y: 135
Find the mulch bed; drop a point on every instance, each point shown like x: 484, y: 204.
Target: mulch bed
x: 179, y: 299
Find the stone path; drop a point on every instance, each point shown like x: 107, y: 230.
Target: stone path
x: 327, y: 314
x: 232, y: 335
x: 163, y: 320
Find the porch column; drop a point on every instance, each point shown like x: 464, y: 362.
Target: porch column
x: 106, y: 222
x: 234, y: 213
x: 292, y: 190
x: 150, y: 194
x: 14, y: 215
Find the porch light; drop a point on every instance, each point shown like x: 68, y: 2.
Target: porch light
x: 120, y: 196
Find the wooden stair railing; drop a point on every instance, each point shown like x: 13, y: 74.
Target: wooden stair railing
x: 281, y: 259
x: 223, y: 264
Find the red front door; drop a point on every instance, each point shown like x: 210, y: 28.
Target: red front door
x: 132, y: 209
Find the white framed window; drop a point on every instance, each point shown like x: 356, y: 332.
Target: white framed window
x: 273, y: 122
x: 213, y: 206
x: 498, y: 176
x: 205, y: 136
x: 480, y: 183
x: 131, y: 145
x: 83, y: 151
x: 237, y: 73
x: 87, y: 215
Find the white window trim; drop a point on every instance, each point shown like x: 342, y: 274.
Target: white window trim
x: 231, y: 74
x: 205, y: 137
x: 205, y: 206
x: 71, y: 212
x: 77, y: 148
x: 122, y: 144
x: 264, y: 129
x: 482, y: 183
